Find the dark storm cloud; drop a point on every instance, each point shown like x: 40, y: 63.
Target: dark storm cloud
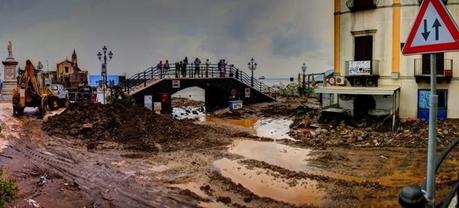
x: 141, y: 32
x: 287, y: 45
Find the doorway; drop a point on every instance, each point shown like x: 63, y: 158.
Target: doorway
x: 363, y: 48
x: 424, y: 104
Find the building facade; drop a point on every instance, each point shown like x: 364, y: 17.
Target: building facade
x: 368, y: 39
x: 69, y: 74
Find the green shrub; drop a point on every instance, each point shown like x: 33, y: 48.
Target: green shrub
x: 8, y: 190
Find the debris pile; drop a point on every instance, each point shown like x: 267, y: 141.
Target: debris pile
x: 135, y: 127
x: 412, y: 133
x: 185, y: 102
x: 261, y: 110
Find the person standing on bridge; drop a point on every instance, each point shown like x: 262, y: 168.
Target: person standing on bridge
x: 184, y: 66
x: 231, y: 74
x: 207, y: 68
x: 197, y: 67
x: 177, y: 69
x: 166, y: 67
x: 159, y: 67
x: 220, y: 67
x: 224, y: 67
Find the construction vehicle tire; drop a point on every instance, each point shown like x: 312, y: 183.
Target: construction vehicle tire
x: 18, y: 111
x: 42, y: 108
x: 53, y: 103
x: 66, y: 102
x: 15, y: 112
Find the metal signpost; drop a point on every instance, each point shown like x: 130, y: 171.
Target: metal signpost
x: 434, y: 31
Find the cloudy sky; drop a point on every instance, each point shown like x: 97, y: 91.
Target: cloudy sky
x: 279, y: 34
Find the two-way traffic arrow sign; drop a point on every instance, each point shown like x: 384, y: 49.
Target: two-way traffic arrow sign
x: 434, y: 30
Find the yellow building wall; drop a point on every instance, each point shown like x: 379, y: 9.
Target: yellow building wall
x: 61, y: 68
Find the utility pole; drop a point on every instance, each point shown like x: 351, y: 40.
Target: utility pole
x: 431, y: 151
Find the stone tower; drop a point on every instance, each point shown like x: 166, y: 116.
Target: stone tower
x: 9, y: 78
x: 74, y: 58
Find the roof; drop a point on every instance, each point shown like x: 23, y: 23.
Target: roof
x: 381, y: 90
x: 66, y: 61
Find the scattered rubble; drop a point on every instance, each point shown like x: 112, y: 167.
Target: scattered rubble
x: 136, y: 127
x: 261, y: 110
x: 369, y: 133
x: 182, y: 102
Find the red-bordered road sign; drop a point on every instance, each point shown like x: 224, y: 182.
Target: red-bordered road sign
x: 434, y: 30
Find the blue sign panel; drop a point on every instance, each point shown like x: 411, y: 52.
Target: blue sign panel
x: 112, y: 80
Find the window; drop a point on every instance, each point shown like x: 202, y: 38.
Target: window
x: 359, y: 5
x: 66, y: 69
x: 439, y: 62
x: 363, y: 48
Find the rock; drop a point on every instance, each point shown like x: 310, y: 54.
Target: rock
x: 313, y: 133
x: 74, y: 131
x: 224, y: 199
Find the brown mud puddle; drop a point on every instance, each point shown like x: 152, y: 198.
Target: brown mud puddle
x: 264, y: 185
x: 248, y: 123
x: 331, y: 177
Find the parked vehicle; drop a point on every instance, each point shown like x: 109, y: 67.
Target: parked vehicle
x: 84, y: 93
x: 60, y: 98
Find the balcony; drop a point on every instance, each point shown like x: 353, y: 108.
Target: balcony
x: 444, y: 71
x: 361, y: 5
x: 362, y: 73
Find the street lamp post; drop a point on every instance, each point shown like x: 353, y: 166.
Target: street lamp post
x: 41, y: 76
x: 252, y: 66
x: 103, y: 59
x: 303, y: 68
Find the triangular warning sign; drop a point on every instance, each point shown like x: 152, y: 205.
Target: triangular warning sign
x: 434, y: 30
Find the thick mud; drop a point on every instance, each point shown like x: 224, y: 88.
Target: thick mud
x: 225, y: 165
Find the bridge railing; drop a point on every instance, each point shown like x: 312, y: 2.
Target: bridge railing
x: 192, y: 71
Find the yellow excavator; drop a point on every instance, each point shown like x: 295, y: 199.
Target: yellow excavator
x: 29, y: 93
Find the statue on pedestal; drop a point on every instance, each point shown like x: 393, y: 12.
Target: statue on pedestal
x: 10, y: 49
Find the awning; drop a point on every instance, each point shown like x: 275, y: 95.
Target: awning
x: 381, y: 90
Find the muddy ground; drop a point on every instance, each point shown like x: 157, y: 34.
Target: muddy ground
x: 235, y: 170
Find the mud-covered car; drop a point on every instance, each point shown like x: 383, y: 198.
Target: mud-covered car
x: 60, y: 98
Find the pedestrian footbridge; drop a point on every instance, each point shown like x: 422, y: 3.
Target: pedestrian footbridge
x: 221, y: 85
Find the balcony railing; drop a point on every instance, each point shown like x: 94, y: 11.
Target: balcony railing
x: 360, y: 5
x: 362, y: 68
x: 444, y: 70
